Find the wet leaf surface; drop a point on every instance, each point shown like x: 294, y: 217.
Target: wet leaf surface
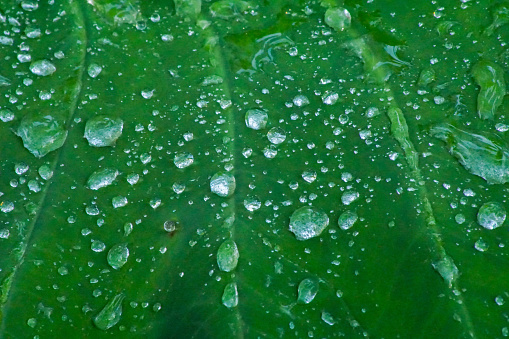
x: 229, y: 169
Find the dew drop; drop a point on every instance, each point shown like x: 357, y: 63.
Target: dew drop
x: 45, y: 172
x: 276, y: 135
x: 347, y: 220
x: 102, y: 131
x: 94, y: 70
x: 338, y: 18
x: 223, y: 184
x: 183, y: 159
x: 252, y: 203
x: 119, y: 201
x: 97, y: 245
x: 309, y: 176
x: 481, y: 245
x: 41, y: 134
x: 230, y: 295
x: 491, y: 215
x: 42, y: 68
x: 349, y: 196
x: 110, y: 314
x: 102, y: 178
x: 308, y: 222
x: 447, y: 269
x: 6, y: 115
x: 328, y: 318
x: 117, y: 255
x: 227, y: 256
x: 300, y: 100
x: 308, y: 288
x: 256, y: 119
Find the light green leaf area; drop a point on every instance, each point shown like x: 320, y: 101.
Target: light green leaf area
x: 252, y: 169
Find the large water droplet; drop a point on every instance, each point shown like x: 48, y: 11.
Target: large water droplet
x: 300, y: 100
x: 252, y: 203
x: 94, y: 70
x: 102, y: 178
x: 118, y: 255
x: 223, y: 184
x: 347, y: 220
x: 110, y: 314
x: 102, y: 131
x: 42, y: 68
x: 183, y: 159
x: 308, y: 222
x: 227, y: 256
x: 45, y: 172
x: 230, y: 295
x: 491, y: 215
x: 308, y: 288
x: 338, y: 18
x: 349, y: 196
x: 41, y: 134
x: 256, y: 119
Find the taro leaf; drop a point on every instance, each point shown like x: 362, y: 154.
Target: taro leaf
x: 347, y: 133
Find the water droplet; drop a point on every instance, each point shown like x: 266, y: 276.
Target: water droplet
x: 338, y: 18
x: 128, y: 228
x: 481, y: 245
x: 300, y: 100
x: 4, y: 233
x: 102, y: 131
x: 328, y: 318
x: 42, y: 68
x: 349, y: 196
x: 45, y: 172
x: 170, y: 226
x: 460, y: 218
x: 223, y: 184
x: 330, y: 98
x: 133, y: 178
x: 63, y: 270
x: 309, y: 176
x: 227, y: 256
x: 94, y: 70
x: 110, y: 314
x: 102, y: 178
x: 447, y: 269
x: 183, y: 159
x: 178, y: 187
x: 117, y: 255
x: 308, y: 222
x: 372, y: 112
x: 155, y: 203
x: 32, y: 322
x: 6, y: 115
x: 6, y: 206
x: 41, y: 134
x: 252, y: 203
x: 347, y: 220
x: 276, y: 135
x: 308, y: 288
x: 212, y: 80
x: 491, y: 215
x: 119, y: 201
x: 20, y: 168
x: 147, y: 94
x: 230, y: 295
x: 97, y: 245
x: 92, y: 210
x: 256, y: 119
x: 270, y: 151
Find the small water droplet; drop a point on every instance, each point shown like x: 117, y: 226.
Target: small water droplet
x: 133, y: 178
x: 227, y: 256
x: 230, y: 295
x: 308, y: 288
x: 6, y: 115
x: 308, y: 222
x: 300, y: 100
x: 42, y: 68
x: 110, y: 314
x: 309, y: 176
x: 119, y: 201
x: 330, y: 98
x: 276, y: 135
x: 32, y: 322
x: 328, y: 318
x: 178, y: 187
x: 447, y: 269
x: 347, y: 219
x: 338, y: 18
x: 102, y: 178
x: 183, y: 159
x: 63, y: 270
x: 45, y: 172
x: 252, y: 203
x: 491, y: 215
x: 481, y: 245
x: 349, y: 196
x: 223, y: 184
x: 256, y: 119
x: 94, y: 70
x: 102, y: 131
x: 170, y: 226
x: 97, y: 245
x: 118, y: 255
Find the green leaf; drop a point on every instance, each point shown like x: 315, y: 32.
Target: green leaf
x: 277, y: 169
